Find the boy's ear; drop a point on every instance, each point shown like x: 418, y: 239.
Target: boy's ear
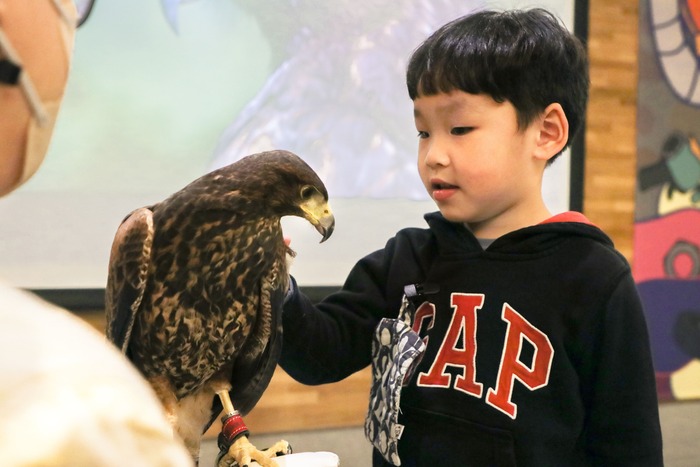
x: 553, y: 132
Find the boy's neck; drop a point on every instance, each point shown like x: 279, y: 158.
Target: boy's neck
x: 505, y: 224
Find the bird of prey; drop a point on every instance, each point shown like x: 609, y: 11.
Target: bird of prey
x: 195, y: 288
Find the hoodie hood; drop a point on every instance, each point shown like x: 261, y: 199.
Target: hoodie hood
x: 455, y: 238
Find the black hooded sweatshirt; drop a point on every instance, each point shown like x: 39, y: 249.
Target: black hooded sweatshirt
x: 537, y: 351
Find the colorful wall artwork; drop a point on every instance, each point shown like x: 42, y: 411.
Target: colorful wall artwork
x: 666, y: 262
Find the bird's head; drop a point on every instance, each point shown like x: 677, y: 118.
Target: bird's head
x: 313, y: 204
x: 279, y: 183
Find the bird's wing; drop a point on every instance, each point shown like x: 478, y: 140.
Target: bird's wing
x: 252, y: 372
x: 252, y: 369
x: 128, y: 274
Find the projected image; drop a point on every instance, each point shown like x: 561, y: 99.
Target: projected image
x: 336, y: 93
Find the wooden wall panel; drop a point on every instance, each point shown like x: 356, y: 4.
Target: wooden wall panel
x: 610, y: 159
x: 290, y: 406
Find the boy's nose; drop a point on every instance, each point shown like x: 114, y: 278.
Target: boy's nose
x: 436, y: 155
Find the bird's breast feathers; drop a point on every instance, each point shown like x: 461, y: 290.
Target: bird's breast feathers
x: 203, y: 307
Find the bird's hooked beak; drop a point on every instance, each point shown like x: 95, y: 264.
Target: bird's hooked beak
x: 325, y: 225
x: 318, y: 212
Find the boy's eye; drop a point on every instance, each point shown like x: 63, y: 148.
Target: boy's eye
x: 461, y: 130
x: 422, y: 134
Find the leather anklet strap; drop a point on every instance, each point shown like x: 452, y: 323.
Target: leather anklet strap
x: 232, y: 429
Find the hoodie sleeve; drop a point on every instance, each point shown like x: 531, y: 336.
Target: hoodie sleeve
x: 622, y: 426
x: 329, y: 341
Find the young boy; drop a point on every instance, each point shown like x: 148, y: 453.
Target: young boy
x: 525, y: 341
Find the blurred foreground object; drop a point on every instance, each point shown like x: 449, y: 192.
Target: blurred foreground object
x: 67, y: 398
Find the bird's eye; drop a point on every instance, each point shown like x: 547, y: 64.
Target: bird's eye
x: 307, y: 192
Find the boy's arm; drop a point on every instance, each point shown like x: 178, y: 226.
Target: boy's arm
x: 329, y: 341
x: 622, y: 425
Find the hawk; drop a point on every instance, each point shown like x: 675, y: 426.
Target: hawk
x: 195, y: 288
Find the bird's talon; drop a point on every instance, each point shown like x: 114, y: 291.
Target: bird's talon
x: 280, y: 448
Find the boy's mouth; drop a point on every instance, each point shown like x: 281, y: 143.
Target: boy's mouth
x: 439, y: 184
x: 442, y: 190
x: 442, y: 186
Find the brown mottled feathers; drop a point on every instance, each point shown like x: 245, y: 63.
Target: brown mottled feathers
x: 128, y: 270
x: 196, y: 282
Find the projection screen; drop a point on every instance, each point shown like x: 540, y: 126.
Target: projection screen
x: 152, y: 104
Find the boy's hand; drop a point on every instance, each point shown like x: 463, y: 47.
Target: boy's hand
x: 290, y: 254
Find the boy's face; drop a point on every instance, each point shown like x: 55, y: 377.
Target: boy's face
x: 477, y: 164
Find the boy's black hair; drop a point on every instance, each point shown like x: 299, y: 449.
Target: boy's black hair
x: 526, y: 57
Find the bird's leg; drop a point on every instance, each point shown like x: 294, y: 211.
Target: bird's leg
x: 225, y: 401
x: 234, y: 437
